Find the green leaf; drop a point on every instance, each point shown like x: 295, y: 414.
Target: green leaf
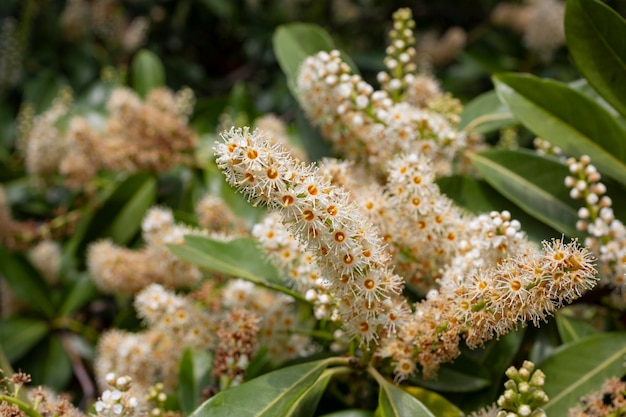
x: 80, y: 293
x: 240, y: 258
x: 294, y: 42
x: 572, y: 329
x: 394, y: 402
x: 194, y: 375
x: 478, y: 197
x: 49, y: 364
x: 121, y: 202
x: 485, y: 114
x: 305, y: 404
x: 20, y: 334
x: 595, y: 38
x: 128, y: 220
x: 580, y: 367
x: 463, y: 375
x: 568, y: 119
x: 436, y: 403
x: 25, y: 281
x: 350, y: 413
x: 270, y: 395
x: 532, y: 182
x: 147, y: 72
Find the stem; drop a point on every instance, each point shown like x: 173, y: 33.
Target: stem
x: 86, y: 384
x: 485, y: 119
x: 27, y: 409
x: 377, y: 376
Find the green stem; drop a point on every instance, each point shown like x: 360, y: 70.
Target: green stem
x: 27, y: 409
x: 485, y: 119
x: 377, y: 376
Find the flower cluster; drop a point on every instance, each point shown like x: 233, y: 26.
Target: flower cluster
x: 116, y: 402
x: 373, y: 126
x: 348, y: 250
x: 610, y: 400
x: 136, y: 135
x: 491, y: 278
x: 539, y: 21
x: 120, y: 270
x: 607, y: 234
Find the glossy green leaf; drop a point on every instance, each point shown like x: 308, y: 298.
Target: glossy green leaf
x: 394, y: 402
x: 147, y: 72
x: 595, y: 37
x: 533, y: 182
x: 478, y: 196
x: 25, y: 281
x: 305, y: 404
x: 572, y: 329
x: 269, y: 395
x: 127, y: 222
x: 568, y: 119
x: 240, y: 258
x: 436, y: 403
x: 579, y: 368
x: 194, y: 374
x: 20, y: 334
x: 485, y: 114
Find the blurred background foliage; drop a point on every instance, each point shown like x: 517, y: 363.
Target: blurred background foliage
x: 212, y: 46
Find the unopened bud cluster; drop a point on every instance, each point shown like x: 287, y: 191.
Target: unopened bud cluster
x: 607, y: 234
x: 115, y: 402
x: 524, y: 395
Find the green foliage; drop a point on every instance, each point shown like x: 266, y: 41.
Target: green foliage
x: 595, y: 36
x: 579, y: 367
x: 527, y: 180
x: 282, y: 392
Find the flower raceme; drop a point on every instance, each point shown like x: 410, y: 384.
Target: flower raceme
x: 349, y: 251
x: 477, y: 301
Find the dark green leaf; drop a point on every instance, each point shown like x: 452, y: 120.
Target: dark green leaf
x: 81, y: 292
x: 532, y: 182
x: 595, y: 37
x: 485, y: 114
x: 572, y: 329
x: 436, y: 403
x: 270, y: 395
x: 394, y: 402
x: 350, y: 413
x: 193, y: 376
x: 49, y: 364
x: 240, y: 258
x: 20, y: 334
x: 25, y: 281
x: 128, y: 220
x: 121, y: 201
x: 463, y: 375
x: 568, y: 119
x: 147, y: 72
x: 580, y: 367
